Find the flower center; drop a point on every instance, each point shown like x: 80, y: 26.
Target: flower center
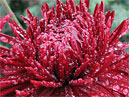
x: 61, y: 53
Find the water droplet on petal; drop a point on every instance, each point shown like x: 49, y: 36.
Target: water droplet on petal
x: 119, y: 44
x: 102, y: 94
x: 73, y: 96
x: 96, y: 78
x: 125, y: 91
x: 14, y: 82
x: 35, y: 68
x: 116, y: 87
x: 3, y: 39
x: 107, y: 82
x: 115, y: 48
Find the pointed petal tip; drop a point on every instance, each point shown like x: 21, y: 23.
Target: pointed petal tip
x: 57, y: 1
x: 113, y: 13
x: 4, y: 20
x: 27, y: 9
x: 87, y: 2
x: 102, y: 6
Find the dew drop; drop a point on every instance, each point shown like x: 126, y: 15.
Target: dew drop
x: 116, y: 87
x: 28, y: 89
x: 108, y: 75
x: 36, y: 68
x: 73, y: 96
x: 3, y: 39
x: 115, y: 48
x: 14, y: 82
x: 96, y: 79
x: 102, y: 94
x: 120, y: 44
x: 45, y: 58
x: 125, y: 91
x: 107, y: 82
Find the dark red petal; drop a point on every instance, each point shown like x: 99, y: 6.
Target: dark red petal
x: 4, y: 20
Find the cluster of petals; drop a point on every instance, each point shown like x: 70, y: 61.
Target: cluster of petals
x: 67, y: 53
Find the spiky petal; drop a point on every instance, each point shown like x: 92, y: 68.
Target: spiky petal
x: 68, y: 53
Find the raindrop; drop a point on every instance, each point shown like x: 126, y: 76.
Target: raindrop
x: 70, y: 64
x: 14, y: 82
x: 119, y: 44
x: 32, y: 63
x: 4, y: 39
x: 125, y: 91
x: 107, y: 82
x: 102, y: 94
x: 35, y: 68
x: 115, y: 48
x: 96, y: 78
x: 116, y: 87
x: 73, y: 96
x: 45, y: 58
x: 115, y: 77
x: 28, y: 89
x: 108, y: 75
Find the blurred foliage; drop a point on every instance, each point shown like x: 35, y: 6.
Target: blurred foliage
x: 94, y: 2
x: 121, y: 8
x: 121, y: 13
x: 35, y: 9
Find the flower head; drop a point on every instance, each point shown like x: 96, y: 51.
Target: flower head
x: 68, y: 52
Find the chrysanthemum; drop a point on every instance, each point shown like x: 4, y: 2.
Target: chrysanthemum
x: 67, y: 53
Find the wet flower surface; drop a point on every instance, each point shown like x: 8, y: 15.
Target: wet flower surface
x: 67, y: 53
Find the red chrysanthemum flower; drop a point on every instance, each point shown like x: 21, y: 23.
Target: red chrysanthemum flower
x: 68, y: 53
